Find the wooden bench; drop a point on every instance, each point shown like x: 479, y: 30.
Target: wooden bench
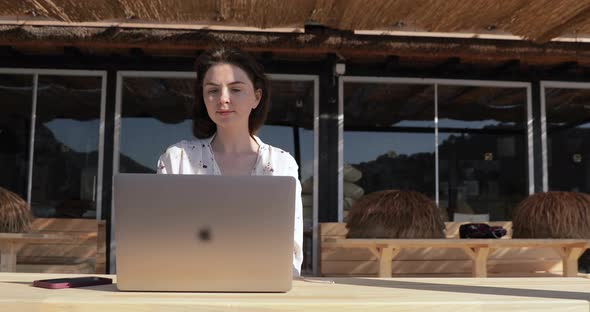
x: 384, y: 257
x: 85, y: 254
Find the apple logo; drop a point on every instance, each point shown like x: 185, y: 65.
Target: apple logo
x: 204, y: 234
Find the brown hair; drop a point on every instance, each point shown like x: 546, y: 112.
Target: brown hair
x: 203, y: 126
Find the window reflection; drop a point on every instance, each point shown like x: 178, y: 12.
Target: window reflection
x: 66, y: 146
x: 482, y: 147
x: 279, y: 136
x: 306, y: 161
x: 289, y: 126
x: 16, y: 92
x: 155, y: 113
x: 291, y: 103
x: 568, y: 139
x: 482, y: 151
x: 388, y: 139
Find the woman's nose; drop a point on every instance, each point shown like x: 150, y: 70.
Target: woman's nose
x: 224, y: 96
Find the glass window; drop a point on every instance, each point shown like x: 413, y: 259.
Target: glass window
x: 289, y: 126
x: 388, y: 139
x: 279, y: 136
x: 66, y: 146
x: 155, y: 113
x: 16, y: 92
x: 306, y: 158
x: 568, y: 139
x: 482, y: 150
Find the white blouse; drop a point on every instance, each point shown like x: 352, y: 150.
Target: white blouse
x: 196, y: 157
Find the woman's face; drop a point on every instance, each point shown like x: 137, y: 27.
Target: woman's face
x: 229, y: 95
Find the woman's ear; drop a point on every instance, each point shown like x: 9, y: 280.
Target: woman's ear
x: 258, y: 97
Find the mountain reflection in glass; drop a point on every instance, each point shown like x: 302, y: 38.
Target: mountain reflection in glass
x: 389, y: 137
x: 16, y: 92
x: 483, y: 159
x: 65, y: 165
x: 482, y: 162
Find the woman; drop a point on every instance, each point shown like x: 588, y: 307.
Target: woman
x: 231, y: 104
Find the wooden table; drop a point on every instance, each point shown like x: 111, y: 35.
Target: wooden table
x: 10, y: 243
x: 345, y: 294
x: 477, y: 249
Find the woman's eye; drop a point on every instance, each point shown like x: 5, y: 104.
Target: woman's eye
x: 211, y: 91
x: 236, y: 90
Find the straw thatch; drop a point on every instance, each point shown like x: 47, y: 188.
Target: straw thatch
x: 553, y: 215
x: 395, y: 214
x: 539, y: 20
x: 15, y: 214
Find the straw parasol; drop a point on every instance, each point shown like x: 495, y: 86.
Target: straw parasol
x: 15, y: 214
x: 395, y: 214
x: 553, y: 215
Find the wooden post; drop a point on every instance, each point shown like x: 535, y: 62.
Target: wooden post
x: 480, y: 268
x: 8, y: 256
x: 386, y: 255
x: 569, y: 256
x: 479, y: 257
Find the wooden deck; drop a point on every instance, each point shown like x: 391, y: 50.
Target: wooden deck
x: 318, y: 294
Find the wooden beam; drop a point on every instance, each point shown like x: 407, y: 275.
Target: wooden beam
x: 392, y: 63
x: 71, y: 51
x: 346, y: 44
x: 7, y: 50
x: 508, y: 66
x: 137, y: 52
x: 564, y: 67
x: 266, y: 57
x: 450, y: 64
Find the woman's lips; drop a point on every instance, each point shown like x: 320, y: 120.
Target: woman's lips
x: 224, y: 113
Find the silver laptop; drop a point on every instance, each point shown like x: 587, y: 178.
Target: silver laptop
x: 204, y: 233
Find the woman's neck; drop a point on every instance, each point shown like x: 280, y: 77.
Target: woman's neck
x: 231, y: 141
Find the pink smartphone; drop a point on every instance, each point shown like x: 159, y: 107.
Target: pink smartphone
x: 58, y: 283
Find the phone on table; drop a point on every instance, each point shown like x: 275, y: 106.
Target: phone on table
x: 72, y: 282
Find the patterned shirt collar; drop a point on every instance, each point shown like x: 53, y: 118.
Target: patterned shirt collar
x: 256, y: 138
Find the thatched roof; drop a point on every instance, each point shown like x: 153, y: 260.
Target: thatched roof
x: 540, y: 31
x: 539, y: 20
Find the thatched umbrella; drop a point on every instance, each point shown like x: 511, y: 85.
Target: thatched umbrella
x: 395, y: 214
x: 15, y: 214
x: 553, y: 215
